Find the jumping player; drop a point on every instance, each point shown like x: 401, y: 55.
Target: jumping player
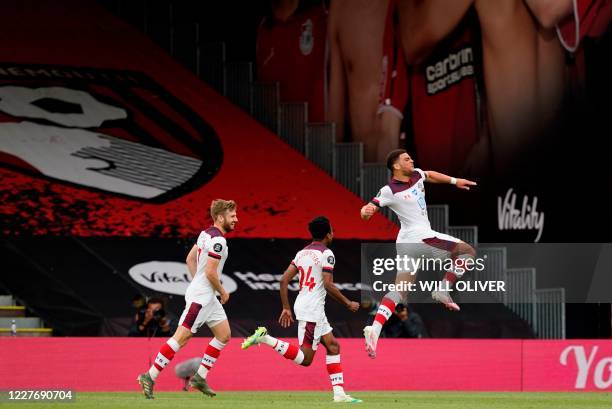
x: 315, y: 264
x: 405, y: 195
x: 205, y: 263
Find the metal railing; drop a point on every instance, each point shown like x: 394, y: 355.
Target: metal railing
x: 266, y: 101
x: 293, y: 120
x: 348, y: 162
x: 185, y: 47
x: 319, y: 145
x: 373, y: 177
x: 211, y: 65
x: 520, y: 293
x: 238, y: 81
x: 550, y: 304
x: 495, y: 268
x: 468, y: 234
x: 438, y: 217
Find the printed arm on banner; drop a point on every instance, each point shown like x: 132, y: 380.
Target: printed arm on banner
x: 337, y: 83
x: 428, y: 23
x: 549, y: 13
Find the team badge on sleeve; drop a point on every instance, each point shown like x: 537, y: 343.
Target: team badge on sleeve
x: 331, y: 260
x: 218, y: 247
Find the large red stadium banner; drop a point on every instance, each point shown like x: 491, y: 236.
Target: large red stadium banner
x: 103, y: 134
x: 442, y: 364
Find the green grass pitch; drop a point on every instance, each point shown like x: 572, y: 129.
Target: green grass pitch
x: 311, y: 400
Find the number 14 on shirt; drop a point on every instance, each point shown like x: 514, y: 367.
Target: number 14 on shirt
x: 305, y: 279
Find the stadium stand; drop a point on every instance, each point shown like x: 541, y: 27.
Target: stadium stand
x: 13, y: 320
x: 159, y: 112
x: 344, y: 161
x: 163, y: 113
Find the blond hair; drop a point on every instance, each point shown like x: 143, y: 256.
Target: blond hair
x: 220, y: 206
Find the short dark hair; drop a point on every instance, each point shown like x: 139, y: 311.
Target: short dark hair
x: 319, y: 227
x: 156, y: 300
x: 392, y: 157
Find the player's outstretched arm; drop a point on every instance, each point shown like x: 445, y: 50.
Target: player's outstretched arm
x: 286, y: 318
x: 211, y: 273
x: 368, y: 211
x: 192, y: 260
x: 332, y: 290
x: 436, y: 177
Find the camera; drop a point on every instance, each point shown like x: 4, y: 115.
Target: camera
x: 159, y: 314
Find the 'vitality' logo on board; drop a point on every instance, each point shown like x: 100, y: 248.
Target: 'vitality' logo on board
x: 510, y: 217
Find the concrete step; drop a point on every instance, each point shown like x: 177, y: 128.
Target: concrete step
x: 27, y: 332
x: 12, y: 311
x: 6, y: 300
x: 21, y: 322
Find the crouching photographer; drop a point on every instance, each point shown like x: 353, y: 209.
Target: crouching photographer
x: 152, y: 320
x: 405, y: 324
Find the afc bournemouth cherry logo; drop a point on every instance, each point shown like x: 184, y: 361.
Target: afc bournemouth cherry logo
x: 115, y: 131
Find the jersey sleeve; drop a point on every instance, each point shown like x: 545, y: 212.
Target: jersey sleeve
x: 422, y: 173
x: 329, y: 261
x: 383, y: 198
x: 294, y: 261
x: 217, y: 246
x: 200, y: 240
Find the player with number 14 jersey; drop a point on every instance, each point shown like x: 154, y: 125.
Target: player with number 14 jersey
x: 315, y: 266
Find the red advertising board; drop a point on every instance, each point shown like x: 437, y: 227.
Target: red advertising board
x: 437, y: 364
